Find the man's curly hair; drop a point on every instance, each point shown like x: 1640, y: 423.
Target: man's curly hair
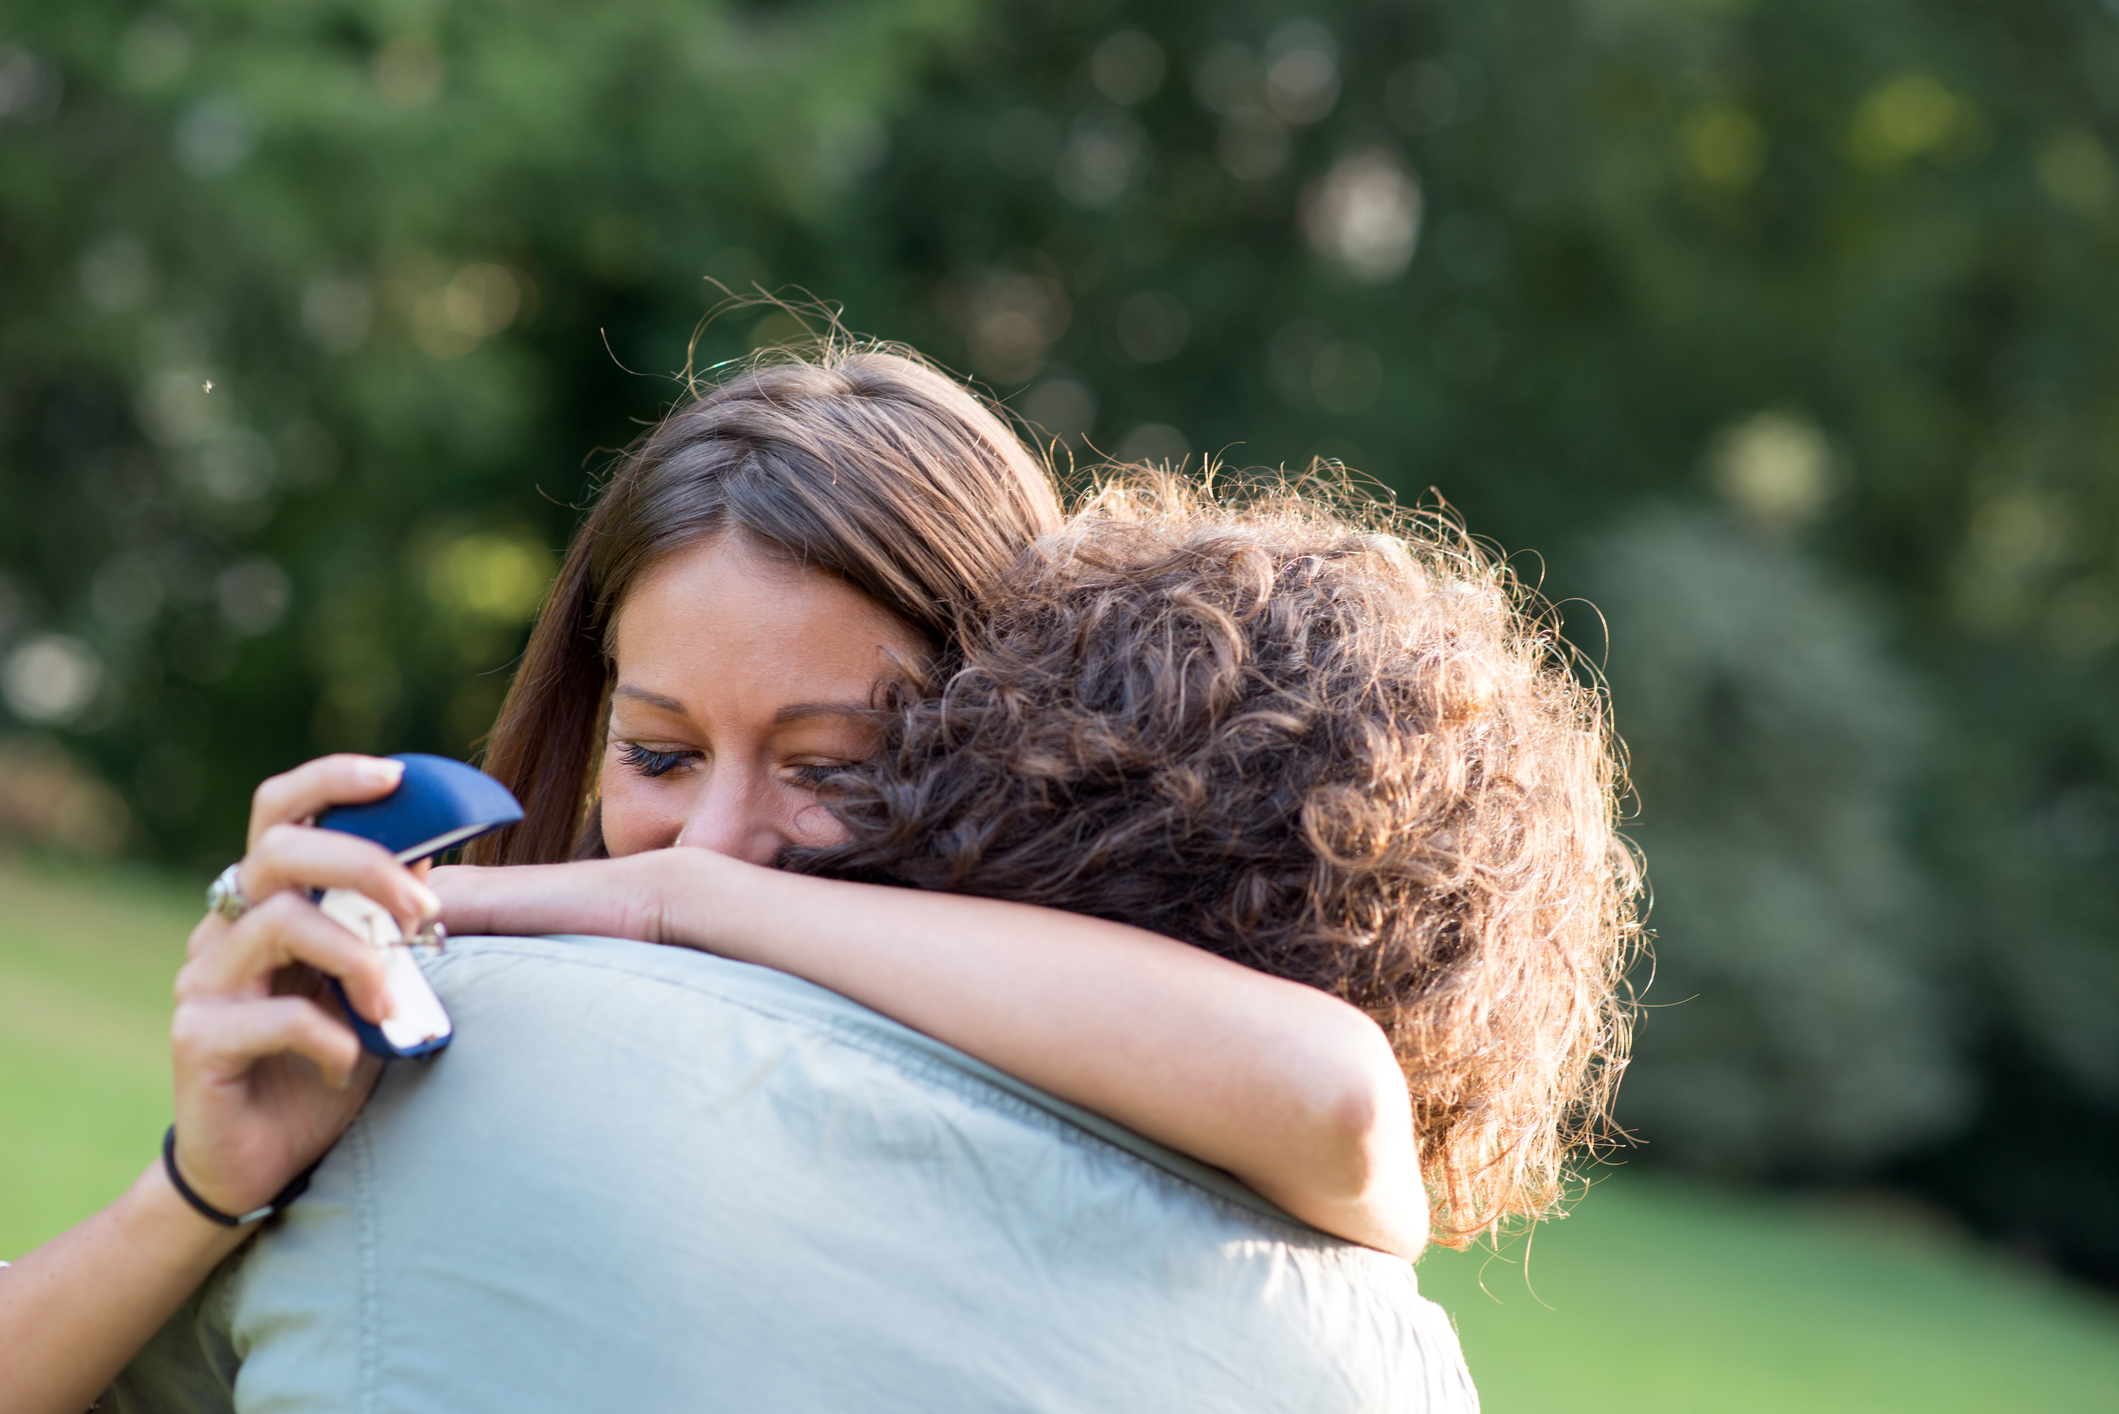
x: 1352, y: 755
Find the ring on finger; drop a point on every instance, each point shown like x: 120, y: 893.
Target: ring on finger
x: 225, y: 894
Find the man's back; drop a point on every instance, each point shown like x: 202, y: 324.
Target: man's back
x: 648, y: 1179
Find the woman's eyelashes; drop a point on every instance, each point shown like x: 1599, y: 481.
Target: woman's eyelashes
x: 649, y: 762
x: 815, y: 775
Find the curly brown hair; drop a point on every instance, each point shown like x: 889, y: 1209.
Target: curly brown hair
x: 1341, y: 748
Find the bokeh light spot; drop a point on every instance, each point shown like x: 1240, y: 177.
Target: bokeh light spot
x: 154, y: 51
x: 1152, y: 326
x: 1253, y: 146
x: 215, y: 136
x: 50, y: 678
x: 1064, y: 409
x: 1365, y: 214
x: 47, y: 797
x: 1155, y: 443
x: 407, y: 72
x: 1011, y: 320
x: 1230, y: 79
x: 1302, y: 72
x: 1106, y: 154
x: 2076, y: 171
x: 1776, y: 468
x: 253, y: 594
x: 490, y: 576
x: 1725, y: 145
x: 1127, y: 67
x: 30, y: 88
x: 1913, y: 115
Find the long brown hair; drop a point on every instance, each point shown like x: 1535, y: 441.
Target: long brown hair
x: 860, y: 460
x: 1340, y: 747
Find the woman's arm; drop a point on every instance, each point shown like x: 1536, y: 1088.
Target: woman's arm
x: 74, y: 1311
x: 265, y: 1080
x: 1292, y: 1091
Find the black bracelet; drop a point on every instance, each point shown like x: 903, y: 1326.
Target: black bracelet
x: 280, y: 1200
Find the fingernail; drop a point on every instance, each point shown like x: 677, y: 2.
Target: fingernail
x: 429, y: 901
x: 380, y: 772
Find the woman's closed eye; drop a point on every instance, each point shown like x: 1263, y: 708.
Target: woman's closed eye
x: 816, y: 774
x: 649, y: 762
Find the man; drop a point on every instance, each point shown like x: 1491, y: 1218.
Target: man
x: 646, y: 1178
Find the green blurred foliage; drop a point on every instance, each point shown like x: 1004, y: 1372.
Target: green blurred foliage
x: 302, y: 365
x: 1785, y: 332
x: 1799, y: 1021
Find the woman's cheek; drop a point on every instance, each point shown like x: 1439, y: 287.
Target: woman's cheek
x: 813, y: 825
x: 636, y: 818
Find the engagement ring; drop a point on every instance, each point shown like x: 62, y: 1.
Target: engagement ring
x: 225, y: 894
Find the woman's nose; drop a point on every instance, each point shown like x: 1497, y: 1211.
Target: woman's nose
x: 731, y: 816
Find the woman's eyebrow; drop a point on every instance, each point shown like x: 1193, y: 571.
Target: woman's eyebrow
x: 796, y: 711
x: 652, y: 699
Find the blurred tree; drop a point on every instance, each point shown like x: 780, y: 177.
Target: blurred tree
x: 1800, y: 1021
x: 1846, y: 270
x: 302, y: 364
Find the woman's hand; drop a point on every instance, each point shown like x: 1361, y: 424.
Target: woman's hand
x: 605, y: 898
x: 268, y: 1073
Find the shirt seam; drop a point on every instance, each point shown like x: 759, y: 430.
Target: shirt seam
x: 368, y: 1378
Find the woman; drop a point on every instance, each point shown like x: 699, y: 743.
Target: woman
x: 753, y: 578
x: 1333, y: 754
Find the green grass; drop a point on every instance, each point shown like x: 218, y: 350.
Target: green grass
x: 1661, y: 1295
x: 86, y: 962
x: 1656, y: 1295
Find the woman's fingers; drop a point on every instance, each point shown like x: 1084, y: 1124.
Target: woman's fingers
x: 588, y: 896
x: 219, y: 1040
x: 309, y: 788
x: 247, y: 995
x: 298, y: 857
x: 285, y: 929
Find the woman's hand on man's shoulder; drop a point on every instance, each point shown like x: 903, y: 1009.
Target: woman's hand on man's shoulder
x: 268, y: 1072
x: 608, y: 898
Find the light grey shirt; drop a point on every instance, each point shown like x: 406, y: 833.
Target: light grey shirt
x: 647, y: 1179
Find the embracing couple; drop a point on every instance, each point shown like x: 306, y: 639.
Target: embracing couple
x: 956, y: 955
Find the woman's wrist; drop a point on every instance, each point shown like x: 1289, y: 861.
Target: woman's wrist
x: 694, y: 897
x: 160, y: 1226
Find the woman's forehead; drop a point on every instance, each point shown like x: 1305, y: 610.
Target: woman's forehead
x: 721, y: 628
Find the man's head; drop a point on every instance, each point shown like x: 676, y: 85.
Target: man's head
x: 1345, y: 755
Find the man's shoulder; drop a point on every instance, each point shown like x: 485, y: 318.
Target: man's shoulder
x: 605, y: 999
x: 640, y: 1172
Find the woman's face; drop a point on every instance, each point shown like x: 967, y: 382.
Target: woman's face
x: 740, y: 687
